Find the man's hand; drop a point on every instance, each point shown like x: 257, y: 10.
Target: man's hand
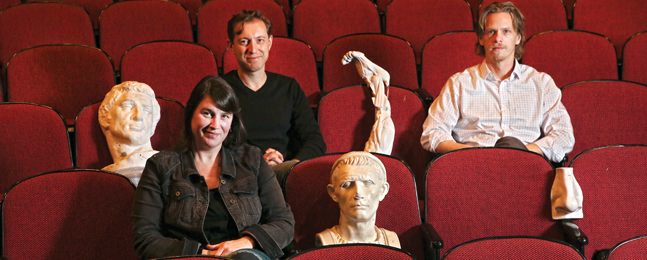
x: 273, y: 157
x: 228, y: 247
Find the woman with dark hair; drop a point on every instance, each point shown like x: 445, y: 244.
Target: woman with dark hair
x: 213, y: 194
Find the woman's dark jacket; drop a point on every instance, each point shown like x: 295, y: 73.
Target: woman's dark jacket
x: 172, y: 198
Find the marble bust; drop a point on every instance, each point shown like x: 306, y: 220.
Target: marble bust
x: 377, y: 79
x: 128, y: 116
x: 357, y: 184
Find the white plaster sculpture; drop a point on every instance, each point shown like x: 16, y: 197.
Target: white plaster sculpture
x: 128, y: 116
x: 357, y: 184
x: 383, y: 132
x: 566, y: 195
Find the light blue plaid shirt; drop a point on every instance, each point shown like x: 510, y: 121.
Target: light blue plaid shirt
x: 475, y: 108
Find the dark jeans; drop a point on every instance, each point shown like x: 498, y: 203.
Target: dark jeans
x: 509, y: 141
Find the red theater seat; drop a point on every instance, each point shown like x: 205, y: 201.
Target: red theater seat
x: 318, y: 22
x: 63, y: 76
x: 74, y: 214
x: 34, y: 140
x: 27, y: 25
x: 123, y: 25
x: 171, y: 68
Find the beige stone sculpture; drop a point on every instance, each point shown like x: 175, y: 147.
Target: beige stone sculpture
x: 383, y: 132
x: 566, y: 195
x: 357, y: 184
x: 128, y: 116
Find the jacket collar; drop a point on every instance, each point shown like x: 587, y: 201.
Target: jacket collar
x: 189, y: 168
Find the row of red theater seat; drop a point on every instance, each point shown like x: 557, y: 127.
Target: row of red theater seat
x: 574, y: 55
x: 568, y: 56
x: 469, y: 194
x: 602, y: 113
x: 125, y: 24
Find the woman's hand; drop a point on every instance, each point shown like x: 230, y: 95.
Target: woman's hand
x: 228, y: 247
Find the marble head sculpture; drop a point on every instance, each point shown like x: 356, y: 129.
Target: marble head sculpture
x: 128, y: 116
x: 357, y: 184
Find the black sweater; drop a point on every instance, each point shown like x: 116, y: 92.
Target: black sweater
x: 279, y: 116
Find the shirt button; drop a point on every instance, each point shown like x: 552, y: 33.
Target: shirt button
x: 232, y: 201
x: 177, y: 193
x: 223, y: 181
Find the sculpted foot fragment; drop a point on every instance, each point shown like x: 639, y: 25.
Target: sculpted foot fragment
x: 383, y: 132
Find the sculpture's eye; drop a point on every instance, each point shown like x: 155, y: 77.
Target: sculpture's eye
x: 345, y: 185
x: 127, y: 105
x: 148, y: 110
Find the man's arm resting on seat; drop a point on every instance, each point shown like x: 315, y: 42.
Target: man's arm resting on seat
x: 534, y: 148
x: 450, y: 145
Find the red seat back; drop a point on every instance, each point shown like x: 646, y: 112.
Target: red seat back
x: 418, y: 20
x: 318, y: 22
x: 530, y: 248
x: 391, y: 53
x: 6, y: 3
x: 46, y: 23
x: 613, y: 183
x: 617, y: 20
x: 457, y: 55
x: 65, y: 77
x: 634, y: 248
x: 75, y: 214
x: 482, y: 192
x: 634, y: 61
x: 571, y: 56
x: 314, y: 210
x: 92, y: 149
x: 93, y: 7
x: 347, y: 115
x: 606, y: 113
x: 34, y: 140
x: 125, y: 24
x: 357, y: 251
x: 171, y: 68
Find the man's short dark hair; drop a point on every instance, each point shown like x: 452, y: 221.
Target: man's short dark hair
x: 518, y: 22
x: 244, y: 17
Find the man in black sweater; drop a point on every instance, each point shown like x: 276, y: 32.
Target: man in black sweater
x: 275, y: 111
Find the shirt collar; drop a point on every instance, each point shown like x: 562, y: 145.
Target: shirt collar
x: 486, y: 74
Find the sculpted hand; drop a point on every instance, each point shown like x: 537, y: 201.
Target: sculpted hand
x: 273, y: 157
x: 228, y: 247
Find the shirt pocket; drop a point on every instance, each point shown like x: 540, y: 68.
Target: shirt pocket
x: 246, y: 191
x: 182, y: 197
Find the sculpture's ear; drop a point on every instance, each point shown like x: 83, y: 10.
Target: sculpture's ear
x: 331, y: 192
x: 105, y: 122
x: 384, y: 190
